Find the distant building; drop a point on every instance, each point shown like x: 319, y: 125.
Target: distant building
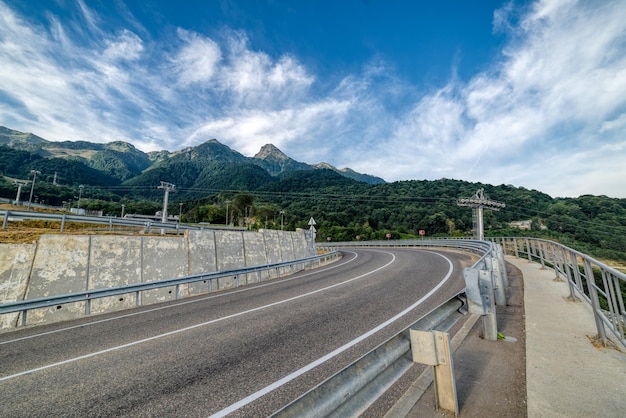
x: 521, y: 224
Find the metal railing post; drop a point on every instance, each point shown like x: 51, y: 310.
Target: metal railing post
x: 6, y: 219
x: 568, y: 274
x: 500, y: 257
x: 595, y: 302
x: 498, y: 283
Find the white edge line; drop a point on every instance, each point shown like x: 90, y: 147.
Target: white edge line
x: 156, y: 337
x: 181, y: 303
x: 243, y: 402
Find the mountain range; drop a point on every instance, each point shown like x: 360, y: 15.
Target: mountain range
x: 214, y: 182
x: 123, y: 163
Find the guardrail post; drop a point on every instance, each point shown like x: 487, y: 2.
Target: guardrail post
x: 481, y: 300
x: 433, y: 349
x: 62, y: 222
x: 6, y: 219
x: 515, y: 246
x: 498, y: 282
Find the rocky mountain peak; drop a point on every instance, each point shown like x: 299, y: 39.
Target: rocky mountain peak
x: 269, y: 151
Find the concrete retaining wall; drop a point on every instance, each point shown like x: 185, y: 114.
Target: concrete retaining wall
x: 202, y: 258
x: 63, y: 264
x: 16, y: 261
x: 60, y: 267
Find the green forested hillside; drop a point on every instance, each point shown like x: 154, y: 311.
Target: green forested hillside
x: 18, y: 164
x: 212, y: 179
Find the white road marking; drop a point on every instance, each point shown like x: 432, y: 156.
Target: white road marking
x: 245, y: 401
x: 245, y: 289
x: 156, y: 337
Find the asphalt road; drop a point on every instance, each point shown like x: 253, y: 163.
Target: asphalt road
x: 244, y: 352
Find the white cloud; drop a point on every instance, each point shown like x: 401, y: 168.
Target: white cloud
x: 560, y: 81
x: 249, y: 130
x: 197, y: 60
x: 554, y: 100
x: 127, y: 46
x: 615, y: 124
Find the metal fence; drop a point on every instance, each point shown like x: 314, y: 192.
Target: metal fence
x: 602, y: 286
x: 110, y: 221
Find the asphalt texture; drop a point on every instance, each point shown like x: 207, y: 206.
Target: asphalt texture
x: 203, y: 355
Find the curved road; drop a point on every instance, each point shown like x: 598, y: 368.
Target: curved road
x: 243, y: 352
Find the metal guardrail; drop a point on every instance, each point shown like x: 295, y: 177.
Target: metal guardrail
x: 602, y: 286
x: 352, y: 390
x: 111, y: 221
x: 24, y: 306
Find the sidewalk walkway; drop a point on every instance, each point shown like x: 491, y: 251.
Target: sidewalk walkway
x: 567, y: 376
x: 552, y: 370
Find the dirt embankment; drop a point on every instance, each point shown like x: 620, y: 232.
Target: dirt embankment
x: 25, y: 231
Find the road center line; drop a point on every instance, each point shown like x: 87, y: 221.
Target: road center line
x: 167, y: 334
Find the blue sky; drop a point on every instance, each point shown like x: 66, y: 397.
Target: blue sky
x: 531, y: 94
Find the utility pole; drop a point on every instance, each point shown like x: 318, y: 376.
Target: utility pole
x: 227, y: 202
x: 32, y: 187
x: 19, y: 184
x: 80, y: 194
x: 477, y: 203
x: 167, y: 187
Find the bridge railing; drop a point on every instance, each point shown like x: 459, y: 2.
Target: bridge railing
x: 351, y: 391
x: 602, y: 286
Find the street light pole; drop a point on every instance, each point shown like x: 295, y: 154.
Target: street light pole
x: 282, y: 219
x: 180, y: 212
x: 123, y: 206
x: 32, y: 187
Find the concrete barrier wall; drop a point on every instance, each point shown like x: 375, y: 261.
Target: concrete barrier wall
x: 273, y: 251
x: 255, y: 255
x: 60, y: 267
x: 16, y: 261
x: 63, y: 264
x: 230, y: 256
x: 114, y: 262
x: 202, y: 258
x: 163, y: 258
